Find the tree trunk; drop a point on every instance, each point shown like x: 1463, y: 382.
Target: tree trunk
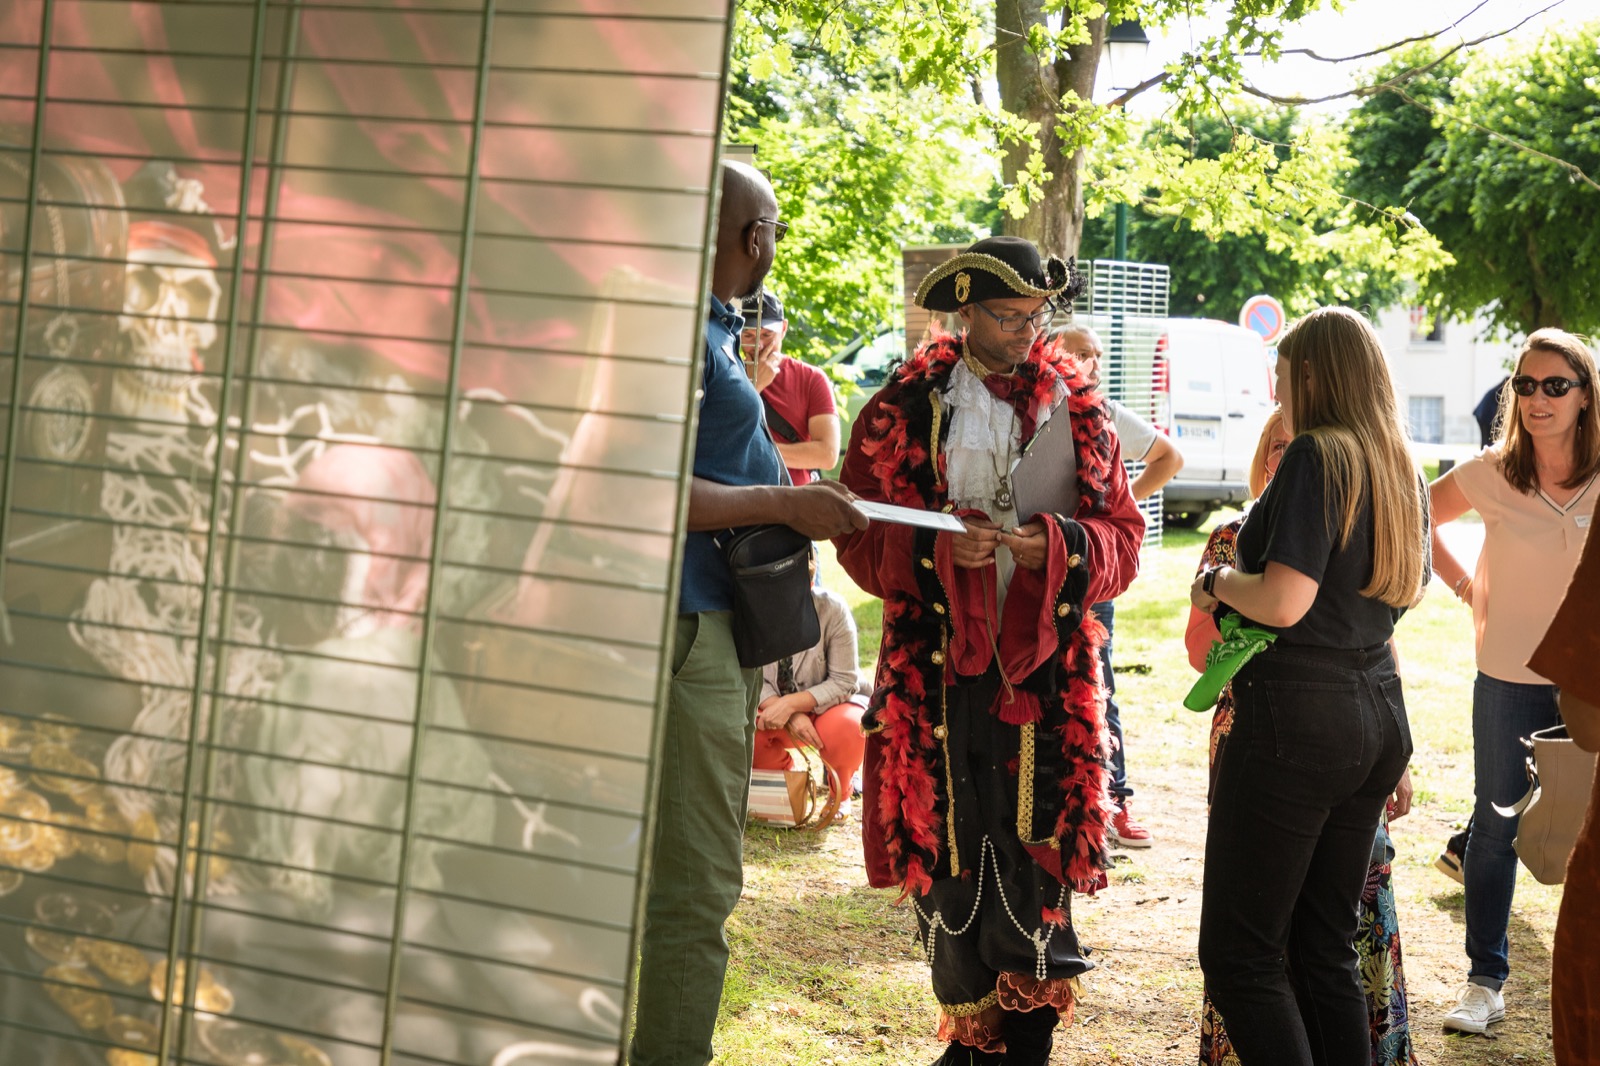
x: 1032, y: 89
x: 1542, y: 308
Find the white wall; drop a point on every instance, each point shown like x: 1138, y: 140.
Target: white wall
x: 1460, y: 367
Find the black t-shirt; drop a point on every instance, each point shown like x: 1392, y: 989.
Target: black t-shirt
x: 1292, y: 524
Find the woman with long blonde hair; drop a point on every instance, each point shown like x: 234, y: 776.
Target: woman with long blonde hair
x: 1535, y: 490
x: 1329, y: 558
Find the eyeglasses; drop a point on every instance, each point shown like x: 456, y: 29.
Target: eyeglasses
x: 1555, y: 388
x: 779, y: 229
x: 1014, y: 323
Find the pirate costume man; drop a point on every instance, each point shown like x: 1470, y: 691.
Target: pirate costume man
x: 985, y: 785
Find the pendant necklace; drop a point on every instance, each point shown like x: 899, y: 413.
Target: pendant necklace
x: 1002, y: 475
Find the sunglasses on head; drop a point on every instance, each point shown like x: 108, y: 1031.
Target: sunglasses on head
x: 1523, y: 385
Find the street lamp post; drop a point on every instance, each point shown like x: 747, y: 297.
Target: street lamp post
x: 1126, y: 46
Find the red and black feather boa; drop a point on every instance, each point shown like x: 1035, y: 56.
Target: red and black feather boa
x: 910, y: 776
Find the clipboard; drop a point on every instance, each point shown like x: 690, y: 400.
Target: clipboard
x: 1045, y: 479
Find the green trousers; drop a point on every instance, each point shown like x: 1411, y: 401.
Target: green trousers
x: 698, y: 868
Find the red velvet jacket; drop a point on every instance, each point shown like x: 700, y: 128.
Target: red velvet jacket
x: 934, y: 631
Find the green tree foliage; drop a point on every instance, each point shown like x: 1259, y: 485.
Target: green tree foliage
x: 871, y: 146
x: 1212, y: 275
x: 1497, y: 156
x: 873, y: 121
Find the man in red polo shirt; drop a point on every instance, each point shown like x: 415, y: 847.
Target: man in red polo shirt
x: 797, y: 396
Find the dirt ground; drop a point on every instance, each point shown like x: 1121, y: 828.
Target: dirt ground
x: 1140, y: 1005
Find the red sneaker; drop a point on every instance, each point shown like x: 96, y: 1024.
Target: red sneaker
x: 1126, y: 831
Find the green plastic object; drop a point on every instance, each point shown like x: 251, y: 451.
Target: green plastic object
x: 1238, y: 645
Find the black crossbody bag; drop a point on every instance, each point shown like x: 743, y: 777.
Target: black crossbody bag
x: 774, y: 615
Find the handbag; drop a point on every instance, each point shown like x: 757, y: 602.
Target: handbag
x: 1560, y: 777
x: 805, y: 796
x: 773, y: 613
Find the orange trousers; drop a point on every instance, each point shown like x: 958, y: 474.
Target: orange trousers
x: 843, y: 746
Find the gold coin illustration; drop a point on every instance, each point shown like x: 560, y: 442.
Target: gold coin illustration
x: 53, y: 727
x: 134, y: 1032
x: 63, y: 836
x: 78, y: 994
x: 57, y: 947
x: 18, y: 814
x: 213, y: 998
x: 121, y: 1056
x: 53, y: 763
x: 19, y: 744
x: 123, y: 963
x: 76, y: 976
x: 302, y: 1052
x: 10, y: 881
x: 36, y: 858
x: 107, y: 851
x: 233, y: 1043
x: 15, y: 837
x: 90, y: 795
x: 85, y: 792
x: 158, y: 980
x: 142, y: 852
x: 105, y: 817
x: 92, y: 1011
x: 68, y: 911
x: 209, y: 996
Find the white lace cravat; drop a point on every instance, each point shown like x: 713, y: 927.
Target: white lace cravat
x: 984, y: 432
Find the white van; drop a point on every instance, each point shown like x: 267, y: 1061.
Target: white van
x: 1214, y: 391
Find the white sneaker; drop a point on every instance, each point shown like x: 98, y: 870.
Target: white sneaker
x: 1477, y: 1008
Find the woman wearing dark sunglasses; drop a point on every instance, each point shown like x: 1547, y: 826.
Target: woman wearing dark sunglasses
x: 1535, y: 489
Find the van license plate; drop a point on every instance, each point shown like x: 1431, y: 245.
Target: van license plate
x: 1196, y: 431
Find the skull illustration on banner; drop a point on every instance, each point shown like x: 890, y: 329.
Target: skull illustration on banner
x: 168, y: 318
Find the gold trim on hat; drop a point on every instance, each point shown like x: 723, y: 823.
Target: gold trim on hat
x: 993, y: 265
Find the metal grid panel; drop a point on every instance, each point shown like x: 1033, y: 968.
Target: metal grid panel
x: 1127, y: 306
x: 345, y: 355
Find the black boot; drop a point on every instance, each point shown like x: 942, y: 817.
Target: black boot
x: 959, y: 1054
x: 1030, y: 1035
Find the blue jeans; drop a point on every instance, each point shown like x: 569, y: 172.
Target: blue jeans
x: 1106, y: 611
x: 1503, y: 712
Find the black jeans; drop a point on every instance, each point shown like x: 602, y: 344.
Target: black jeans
x: 1319, y: 742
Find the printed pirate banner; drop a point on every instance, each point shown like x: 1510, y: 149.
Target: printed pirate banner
x: 348, y: 349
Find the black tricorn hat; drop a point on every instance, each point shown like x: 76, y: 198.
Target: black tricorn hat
x: 997, y: 268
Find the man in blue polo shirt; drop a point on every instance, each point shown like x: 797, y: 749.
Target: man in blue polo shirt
x: 698, y: 871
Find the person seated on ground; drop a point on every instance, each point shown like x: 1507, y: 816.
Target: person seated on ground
x: 1378, y: 935
x: 816, y: 697
x: 1141, y: 443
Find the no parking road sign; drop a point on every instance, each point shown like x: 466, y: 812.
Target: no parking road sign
x: 1264, y: 315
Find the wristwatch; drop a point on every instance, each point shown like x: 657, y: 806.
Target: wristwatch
x: 1208, y: 583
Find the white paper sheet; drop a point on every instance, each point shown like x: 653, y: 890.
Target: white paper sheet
x: 909, y: 516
